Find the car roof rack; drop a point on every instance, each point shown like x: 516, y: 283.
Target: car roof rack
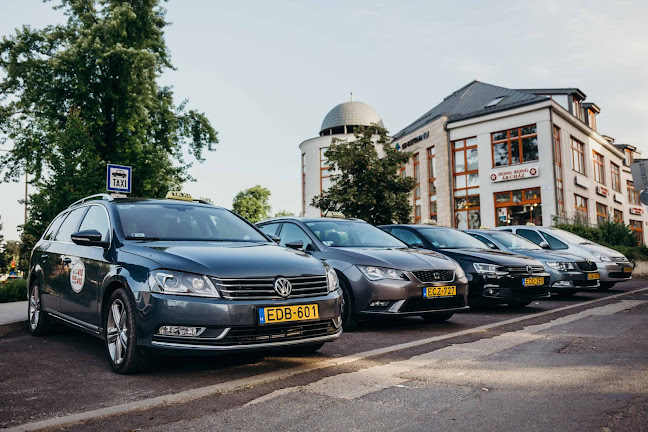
x: 101, y: 196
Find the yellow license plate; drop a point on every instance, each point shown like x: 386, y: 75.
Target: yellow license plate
x: 271, y: 315
x: 627, y: 269
x: 592, y: 276
x: 533, y: 281
x: 444, y: 291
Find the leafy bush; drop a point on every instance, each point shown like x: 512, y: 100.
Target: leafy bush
x: 13, y: 290
x: 612, y: 234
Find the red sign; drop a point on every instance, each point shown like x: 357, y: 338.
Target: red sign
x: 601, y: 190
x: 636, y: 210
x: 13, y: 263
x: 514, y: 174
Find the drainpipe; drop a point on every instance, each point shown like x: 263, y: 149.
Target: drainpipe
x: 553, y: 155
x: 451, y: 176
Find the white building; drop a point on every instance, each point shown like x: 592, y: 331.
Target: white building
x: 492, y: 156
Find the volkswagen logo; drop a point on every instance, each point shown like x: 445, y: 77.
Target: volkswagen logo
x: 282, y: 287
x: 530, y: 269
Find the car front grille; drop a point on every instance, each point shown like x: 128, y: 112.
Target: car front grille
x: 427, y: 305
x: 263, y: 288
x: 434, y: 275
x: 586, y: 266
x: 523, y: 270
x: 284, y: 332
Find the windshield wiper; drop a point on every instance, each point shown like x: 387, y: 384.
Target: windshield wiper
x: 142, y: 238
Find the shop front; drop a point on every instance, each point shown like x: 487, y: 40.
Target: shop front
x: 518, y: 207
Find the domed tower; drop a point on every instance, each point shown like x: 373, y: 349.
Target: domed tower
x: 340, y: 122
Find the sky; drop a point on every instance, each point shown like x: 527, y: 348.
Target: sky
x: 267, y: 72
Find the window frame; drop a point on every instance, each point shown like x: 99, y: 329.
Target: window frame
x: 599, y: 167
x: 637, y: 228
x: 508, y: 141
x: 475, y: 189
x: 580, y: 210
x: 416, y: 163
x: 558, y: 168
x: 633, y: 196
x: 578, y: 148
x: 615, y: 176
x: 110, y: 226
x: 511, y: 203
x: 601, y: 213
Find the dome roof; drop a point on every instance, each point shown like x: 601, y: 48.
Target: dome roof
x: 351, y: 114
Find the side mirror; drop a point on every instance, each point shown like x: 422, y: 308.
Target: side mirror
x: 297, y: 244
x: 491, y: 245
x: 274, y: 238
x: 88, y: 238
x: 544, y: 245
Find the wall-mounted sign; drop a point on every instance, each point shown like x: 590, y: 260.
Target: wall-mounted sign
x: 617, y: 199
x: 580, y: 182
x: 410, y: 143
x: 636, y: 210
x: 118, y: 178
x: 514, y: 174
x: 601, y: 190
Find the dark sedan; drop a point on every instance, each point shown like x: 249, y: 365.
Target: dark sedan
x: 179, y: 276
x: 494, y: 277
x: 379, y: 274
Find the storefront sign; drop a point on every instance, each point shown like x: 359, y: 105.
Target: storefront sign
x: 602, y: 191
x: 410, y: 143
x: 636, y: 210
x: 514, y: 174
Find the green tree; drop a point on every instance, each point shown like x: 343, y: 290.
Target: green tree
x: 76, y: 96
x: 281, y: 213
x: 4, y: 258
x: 365, y: 185
x: 252, y: 203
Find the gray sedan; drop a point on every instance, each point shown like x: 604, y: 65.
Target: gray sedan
x: 569, y: 273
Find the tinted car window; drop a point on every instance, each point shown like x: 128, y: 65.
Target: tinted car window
x: 515, y: 242
x: 407, y: 236
x: 54, y: 226
x: 171, y: 221
x: 484, y: 240
x: 96, y: 219
x: 554, y: 242
x: 70, y: 225
x: 270, y: 229
x: 530, y: 235
x: 449, y: 238
x: 291, y: 233
x: 352, y: 234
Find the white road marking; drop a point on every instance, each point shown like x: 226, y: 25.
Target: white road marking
x: 201, y: 392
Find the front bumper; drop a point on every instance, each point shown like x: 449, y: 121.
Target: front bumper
x: 504, y: 288
x: 572, y: 280
x: 232, y: 325
x: 614, y: 271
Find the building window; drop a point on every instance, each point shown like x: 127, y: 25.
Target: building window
x: 325, y: 173
x: 601, y: 213
x: 633, y: 196
x: 578, y: 156
x: 560, y: 193
x: 591, y: 117
x: 629, y: 158
x: 618, y: 216
x: 466, y: 183
x: 578, y: 110
x: 581, y: 208
x: 432, y: 182
x: 303, y: 161
x: 518, y: 207
x: 616, y: 177
x: 599, y: 168
x: 637, y: 227
x: 515, y: 146
x: 417, y: 189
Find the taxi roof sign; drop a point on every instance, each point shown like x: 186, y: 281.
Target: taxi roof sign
x: 182, y: 196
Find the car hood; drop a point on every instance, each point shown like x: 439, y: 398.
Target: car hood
x: 545, y: 255
x: 602, y: 249
x: 398, y: 258
x: 228, y: 259
x: 490, y: 257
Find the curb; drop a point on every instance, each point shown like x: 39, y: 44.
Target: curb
x: 13, y: 327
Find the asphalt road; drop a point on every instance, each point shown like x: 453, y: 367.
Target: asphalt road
x: 582, y: 368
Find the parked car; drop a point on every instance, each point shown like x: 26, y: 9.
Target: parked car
x: 613, y: 266
x: 178, y: 276
x: 494, y: 277
x: 569, y: 273
x: 379, y: 274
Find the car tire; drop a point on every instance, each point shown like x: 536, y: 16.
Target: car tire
x: 605, y: 286
x: 349, y: 322
x: 304, y: 349
x: 519, y: 303
x: 38, y: 321
x: 120, y: 335
x: 437, y: 317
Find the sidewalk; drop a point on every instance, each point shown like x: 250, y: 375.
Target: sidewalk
x: 13, y: 317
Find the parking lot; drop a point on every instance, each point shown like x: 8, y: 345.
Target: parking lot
x: 62, y: 379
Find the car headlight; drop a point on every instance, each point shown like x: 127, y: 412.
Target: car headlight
x: 331, y: 278
x: 376, y: 273
x: 180, y: 283
x: 599, y: 256
x: 562, y: 266
x: 490, y: 269
x: 459, y: 273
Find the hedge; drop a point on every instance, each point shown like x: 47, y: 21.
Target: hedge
x: 13, y: 290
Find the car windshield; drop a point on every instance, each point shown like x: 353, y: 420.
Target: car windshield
x: 514, y: 242
x: 570, y: 238
x: 352, y: 234
x: 171, y: 221
x: 448, y: 238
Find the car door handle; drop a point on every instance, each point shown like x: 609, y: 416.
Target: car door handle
x: 66, y: 260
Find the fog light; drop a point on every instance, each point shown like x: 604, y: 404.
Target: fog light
x: 562, y: 283
x: 181, y: 331
x: 491, y: 292
x: 378, y: 303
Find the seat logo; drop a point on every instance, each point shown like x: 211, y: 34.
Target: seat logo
x: 530, y: 269
x: 283, y: 287
x: 437, y: 276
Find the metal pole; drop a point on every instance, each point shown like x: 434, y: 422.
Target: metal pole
x: 26, y: 195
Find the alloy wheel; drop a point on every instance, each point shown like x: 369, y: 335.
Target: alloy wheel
x: 117, y: 334
x: 34, y: 308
